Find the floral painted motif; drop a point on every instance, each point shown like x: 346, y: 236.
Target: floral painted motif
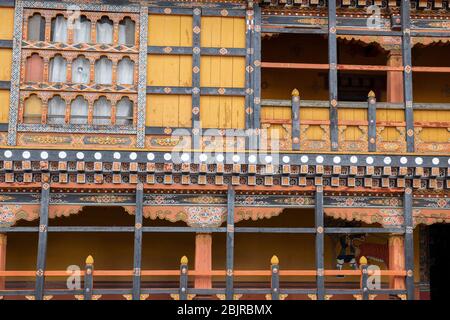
x: 9, y: 214
x: 205, y: 216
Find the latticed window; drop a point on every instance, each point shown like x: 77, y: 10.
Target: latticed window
x: 32, y: 109
x: 56, y: 110
x: 79, y: 111
x: 80, y: 75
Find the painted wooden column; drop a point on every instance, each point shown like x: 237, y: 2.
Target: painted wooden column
x: 295, y: 105
x: 409, y: 242
x: 332, y: 75
x: 230, y: 245
x: 196, y: 53
x: 138, y: 242
x: 203, y: 260
x: 42, y: 242
x: 407, y: 73
x: 319, y: 222
x: 396, y: 260
x: 256, y: 61
x: 372, y: 117
x: 394, y: 90
x: 3, y: 239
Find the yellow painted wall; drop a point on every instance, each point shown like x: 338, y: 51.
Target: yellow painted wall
x: 433, y: 134
x: 176, y: 70
x: 275, y: 113
x: 173, y: 70
x: 222, y: 72
x: 4, y: 106
x: 5, y: 64
x: 352, y: 132
x: 165, y: 30
x: 169, y: 110
x: 390, y: 133
x: 221, y: 32
x: 222, y: 112
x: 314, y: 132
x: 7, y: 23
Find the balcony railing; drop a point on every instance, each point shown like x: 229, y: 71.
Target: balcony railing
x: 364, y: 134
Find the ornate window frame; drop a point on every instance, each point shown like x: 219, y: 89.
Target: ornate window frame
x: 140, y: 108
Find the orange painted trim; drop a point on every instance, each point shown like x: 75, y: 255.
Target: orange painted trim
x: 245, y: 273
x: 349, y: 67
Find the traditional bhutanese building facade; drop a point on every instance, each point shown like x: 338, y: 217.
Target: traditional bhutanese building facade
x: 224, y: 149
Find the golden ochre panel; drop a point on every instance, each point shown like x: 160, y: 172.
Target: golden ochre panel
x: 5, y: 64
x: 220, y: 32
x: 160, y: 142
x: 226, y: 72
x: 270, y: 120
x: 169, y: 70
x: 169, y: 111
x: 314, y: 131
x: 165, y: 30
x: 7, y: 23
x: 4, y: 106
x: 94, y: 141
x: 222, y: 112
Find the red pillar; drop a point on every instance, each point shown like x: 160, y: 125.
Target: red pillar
x: 203, y: 260
x: 396, y: 260
x: 395, y: 78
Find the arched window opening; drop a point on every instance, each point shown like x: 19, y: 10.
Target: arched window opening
x: 105, y: 30
x: 102, y: 112
x: 56, y: 110
x: 82, y: 30
x: 103, y: 71
x: 57, y: 69
x: 36, y: 28
x: 127, y: 32
x: 125, y: 71
x: 79, y: 111
x: 81, y: 70
x: 59, y: 29
x: 124, y: 112
x: 34, y: 69
x: 32, y: 112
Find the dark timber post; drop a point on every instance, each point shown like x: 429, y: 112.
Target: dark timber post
x: 196, y: 22
x: 319, y: 243
x: 256, y: 53
x: 138, y: 242
x: 230, y: 245
x: 42, y: 244
x: 295, y: 120
x: 275, y: 279
x: 88, y: 278
x: 372, y: 116
x: 409, y: 243
x: 407, y: 74
x: 332, y: 74
x: 183, y: 278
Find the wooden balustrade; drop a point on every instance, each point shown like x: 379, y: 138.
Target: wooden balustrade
x: 370, y: 133
x: 274, y: 273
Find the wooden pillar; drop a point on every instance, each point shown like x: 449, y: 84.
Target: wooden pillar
x: 42, y: 242
x: 2, y: 259
x: 203, y: 260
x: 138, y: 242
x: 320, y: 252
x: 396, y: 260
x: 395, y: 78
x: 230, y: 245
